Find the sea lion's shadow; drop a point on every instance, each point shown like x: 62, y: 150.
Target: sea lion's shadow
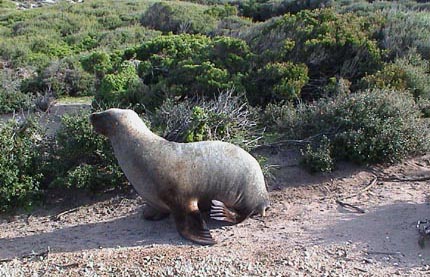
x: 127, y: 231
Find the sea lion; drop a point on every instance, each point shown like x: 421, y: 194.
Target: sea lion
x: 184, y: 179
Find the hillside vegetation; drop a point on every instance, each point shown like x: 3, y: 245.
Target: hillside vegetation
x: 341, y: 80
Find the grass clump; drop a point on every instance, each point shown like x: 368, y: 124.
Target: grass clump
x: 180, y: 17
x: 227, y: 118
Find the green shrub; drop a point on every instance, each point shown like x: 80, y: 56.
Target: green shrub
x: 319, y: 159
x: 20, y: 145
x: 403, y: 31
x: 114, y: 87
x: 66, y: 77
x: 14, y: 101
x: 11, y: 98
x: 204, y: 79
x: 189, y: 66
x: 84, y: 159
x: 128, y: 36
x: 37, y: 37
x: 261, y: 10
x: 170, y: 48
x: 110, y: 21
x: 231, y: 54
x: 232, y: 26
x: 277, y: 82
x: 368, y: 127
x: 285, y: 118
x: 337, y: 86
x: 366, y: 8
x: 379, y: 127
x: 329, y: 44
x: 179, y: 17
x: 408, y: 73
x: 98, y: 63
x: 6, y: 5
x: 223, y: 11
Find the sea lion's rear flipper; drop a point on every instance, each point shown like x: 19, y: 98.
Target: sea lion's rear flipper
x: 220, y: 212
x: 191, y: 225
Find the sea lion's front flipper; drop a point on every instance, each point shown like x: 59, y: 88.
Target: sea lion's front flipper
x: 152, y: 213
x: 220, y: 212
x: 191, y: 226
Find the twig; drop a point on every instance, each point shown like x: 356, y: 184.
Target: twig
x: 360, y: 269
x: 384, y: 253
x: 43, y: 254
x: 396, y: 179
x: 294, y: 141
x: 346, y: 205
x: 67, y: 265
x: 366, y: 188
x: 58, y: 216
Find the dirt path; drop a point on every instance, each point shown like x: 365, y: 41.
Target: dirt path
x: 305, y: 233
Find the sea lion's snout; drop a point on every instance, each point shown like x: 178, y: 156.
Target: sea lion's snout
x: 93, y: 118
x: 263, y: 208
x: 97, y: 121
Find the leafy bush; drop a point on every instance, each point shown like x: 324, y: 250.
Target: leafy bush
x: 98, y: 63
x: 261, y: 10
x: 329, y: 44
x: 37, y: 37
x: 369, y: 127
x: 66, y: 77
x: 319, y: 159
x: 188, y: 66
x: 403, y: 31
x: 232, y: 26
x: 84, y: 159
x: 337, y: 86
x: 11, y: 98
x: 199, y: 79
x: 221, y: 11
x: 277, y: 82
x: 367, y: 8
x: 128, y: 36
x: 408, y: 73
x: 20, y: 178
x: 14, y: 101
x: 179, y: 17
x: 114, y: 86
x: 6, y: 4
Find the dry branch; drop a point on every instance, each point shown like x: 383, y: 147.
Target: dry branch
x: 366, y: 188
x: 346, y: 205
x: 43, y: 254
x: 383, y: 253
x: 397, y: 179
x: 58, y: 216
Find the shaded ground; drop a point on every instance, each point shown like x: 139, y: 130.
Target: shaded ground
x: 306, y: 232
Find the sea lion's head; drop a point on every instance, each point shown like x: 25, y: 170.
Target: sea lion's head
x: 107, y: 122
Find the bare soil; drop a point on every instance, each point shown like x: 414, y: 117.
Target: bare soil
x: 306, y: 231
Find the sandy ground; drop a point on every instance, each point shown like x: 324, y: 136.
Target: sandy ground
x: 305, y: 233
